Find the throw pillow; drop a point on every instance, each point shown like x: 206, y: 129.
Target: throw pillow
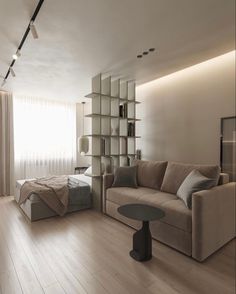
x: 88, y: 171
x: 194, y: 182
x: 126, y: 176
x: 150, y: 173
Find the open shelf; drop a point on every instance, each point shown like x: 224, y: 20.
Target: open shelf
x: 93, y: 175
x: 101, y: 115
x: 111, y: 136
x: 97, y: 95
x: 111, y: 116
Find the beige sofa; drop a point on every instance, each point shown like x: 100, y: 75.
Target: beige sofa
x: 198, y: 232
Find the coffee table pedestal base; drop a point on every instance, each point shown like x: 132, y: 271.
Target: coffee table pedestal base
x: 142, y: 244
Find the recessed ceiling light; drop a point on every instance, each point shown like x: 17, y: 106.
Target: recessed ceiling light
x: 152, y: 49
x: 145, y: 53
x: 139, y: 56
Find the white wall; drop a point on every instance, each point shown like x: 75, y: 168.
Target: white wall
x: 181, y: 112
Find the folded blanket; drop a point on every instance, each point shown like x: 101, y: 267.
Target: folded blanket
x: 53, y: 191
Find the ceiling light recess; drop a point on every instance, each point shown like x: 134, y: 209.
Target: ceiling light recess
x: 146, y: 52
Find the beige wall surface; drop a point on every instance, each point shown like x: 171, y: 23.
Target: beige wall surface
x: 181, y: 112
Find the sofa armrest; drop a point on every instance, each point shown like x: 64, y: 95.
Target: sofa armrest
x: 213, y: 219
x: 107, y: 183
x: 223, y: 179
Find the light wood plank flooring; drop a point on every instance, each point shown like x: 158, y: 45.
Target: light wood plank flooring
x: 87, y: 252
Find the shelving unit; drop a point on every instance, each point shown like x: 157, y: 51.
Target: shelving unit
x: 113, y: 136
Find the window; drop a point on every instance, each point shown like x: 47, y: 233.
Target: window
x: 44, y: 137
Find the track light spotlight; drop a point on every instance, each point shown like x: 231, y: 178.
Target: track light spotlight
x: 12, y: 72
x: 18, y: 54
x: 3, y: 83
x: 33, y: 30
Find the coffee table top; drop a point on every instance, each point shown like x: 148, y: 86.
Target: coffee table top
x: 141, y: 212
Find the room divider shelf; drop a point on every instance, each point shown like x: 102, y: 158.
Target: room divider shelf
x: 113, y: 136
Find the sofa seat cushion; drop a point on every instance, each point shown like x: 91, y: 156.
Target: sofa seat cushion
x: 150, y: 173
x: 156, y: 199
x: 177, y: 172
x: 125, y: 195
x: 177, y: 215
x: 176, y: 212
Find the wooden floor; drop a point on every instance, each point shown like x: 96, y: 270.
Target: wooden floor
x: 86, y: 252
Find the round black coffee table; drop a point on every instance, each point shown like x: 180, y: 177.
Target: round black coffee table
x: 142, y: 239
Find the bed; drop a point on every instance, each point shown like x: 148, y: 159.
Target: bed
x: 35, y: 209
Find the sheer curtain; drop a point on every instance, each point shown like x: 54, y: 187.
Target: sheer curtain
x: 44, y: 136
x: 6, y: 145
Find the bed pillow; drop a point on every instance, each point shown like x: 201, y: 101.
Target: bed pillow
x: 88, y: 171
x: 194, y: 182
x: 126, y: 176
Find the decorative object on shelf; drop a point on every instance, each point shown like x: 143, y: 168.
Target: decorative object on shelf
x: 228, y: 146
x: 131, y: 129
x: 83, y: 141
x: 138, y: 154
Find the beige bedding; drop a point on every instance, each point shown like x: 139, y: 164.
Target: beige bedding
x: 51, y: 190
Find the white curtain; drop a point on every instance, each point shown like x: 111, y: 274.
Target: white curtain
x: 45, y: 137
x: 6, y: 145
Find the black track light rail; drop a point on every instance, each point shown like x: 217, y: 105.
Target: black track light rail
x: 25, y: 34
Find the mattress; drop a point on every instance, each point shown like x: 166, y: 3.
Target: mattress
x: 85, y: 180
x: 80, y: 197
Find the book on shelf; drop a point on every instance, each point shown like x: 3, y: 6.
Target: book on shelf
x: 121, y: 110
x: 125, y: 110
x: 105, y: 147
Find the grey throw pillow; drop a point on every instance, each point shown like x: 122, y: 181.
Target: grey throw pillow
x: 126, y: 176
x: 194, y: 182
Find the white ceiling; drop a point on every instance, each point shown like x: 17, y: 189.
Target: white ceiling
x: 80, y: 38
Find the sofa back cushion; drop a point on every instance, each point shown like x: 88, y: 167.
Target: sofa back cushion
x: 150, y: 173
x: 177, y: 172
